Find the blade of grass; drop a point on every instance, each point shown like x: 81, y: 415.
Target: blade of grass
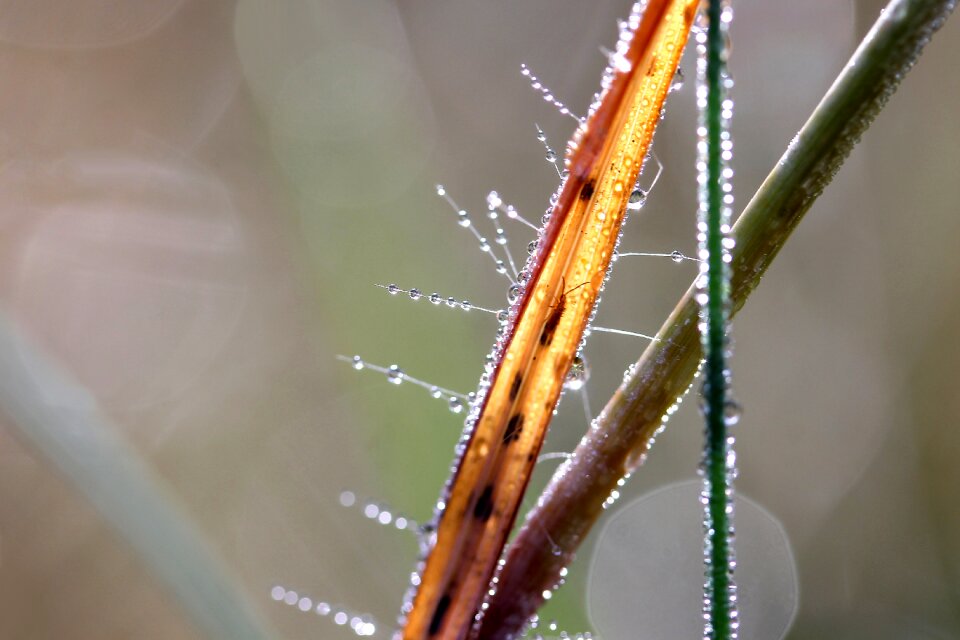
x: 617, y: 442
x: 61, y: 421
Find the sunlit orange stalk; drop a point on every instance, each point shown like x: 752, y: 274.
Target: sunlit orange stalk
x: 563, y: 282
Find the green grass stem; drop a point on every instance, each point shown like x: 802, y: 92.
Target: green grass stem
x: 719, y: 598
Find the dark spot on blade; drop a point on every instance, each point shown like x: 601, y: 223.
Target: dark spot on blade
x: 438, y: 615
x: 484, y: 508
x: 514, y: 427
x: 653, y: 65
x: 515, y: 387
x: 587, y: 192
x: 549, y: 328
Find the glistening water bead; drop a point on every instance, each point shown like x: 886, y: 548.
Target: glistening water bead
x: 638, y: 198
x: 732, y: 411
x: 394, y: 374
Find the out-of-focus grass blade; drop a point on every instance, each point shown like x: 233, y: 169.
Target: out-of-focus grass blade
x: 61, y: 420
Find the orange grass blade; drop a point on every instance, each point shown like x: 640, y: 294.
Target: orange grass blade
x: 604, y: 160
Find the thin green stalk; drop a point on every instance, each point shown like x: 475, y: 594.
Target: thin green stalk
x: 719, y: 591
x: 61, y: 421
x: 616, y: 445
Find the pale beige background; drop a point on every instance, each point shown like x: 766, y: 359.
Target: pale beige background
x: 196, y: 197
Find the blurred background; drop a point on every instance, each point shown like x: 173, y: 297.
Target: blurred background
x: 197, y: 197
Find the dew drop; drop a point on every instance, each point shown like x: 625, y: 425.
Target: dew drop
x: 357, y: 363
x: 532, y: 247
x: 513, y: 294
x: 463, y: 218
x: 677, y: 80
x: 394, y: 374
x: 551, y: 155
x: 578, y: 375
x: 676, y: 256
x: 732, y: 412
x: 393, y: 289
x: 638, y: 198
x: 455, y: 405
x: 415, y: 294
x: 436, y: 298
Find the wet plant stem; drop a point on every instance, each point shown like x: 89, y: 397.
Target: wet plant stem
x: 719, y: 600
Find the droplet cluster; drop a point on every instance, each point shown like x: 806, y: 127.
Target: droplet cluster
x: 539, y: 630
x: 395, y: 375
x: 378, y: 513
x: 362, y: 624
x: 546, y: 93
x: 505, y: 265
x: 434, y: 298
